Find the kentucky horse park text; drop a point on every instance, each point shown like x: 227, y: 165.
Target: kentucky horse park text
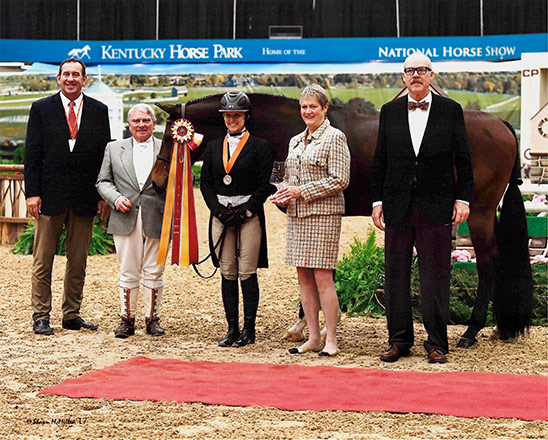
x: 175, y: 51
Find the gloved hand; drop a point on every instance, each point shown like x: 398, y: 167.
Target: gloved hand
x: 237, y: 217
x: 224, y: 214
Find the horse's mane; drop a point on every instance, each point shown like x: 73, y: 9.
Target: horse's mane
x: 204, y: 98
x: 332, y: 107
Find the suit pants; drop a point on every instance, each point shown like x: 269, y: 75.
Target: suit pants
x: 433, y: 244
x: 137, y: 255
x: 46, y: 237
x: 246, y: 240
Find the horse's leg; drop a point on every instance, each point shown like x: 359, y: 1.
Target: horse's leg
x: 482, y: 231
x: 295, y: 333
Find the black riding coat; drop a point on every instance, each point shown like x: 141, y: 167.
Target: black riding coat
x: 250, y: 175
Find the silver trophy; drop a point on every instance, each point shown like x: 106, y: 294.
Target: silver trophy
x: 278, y: 173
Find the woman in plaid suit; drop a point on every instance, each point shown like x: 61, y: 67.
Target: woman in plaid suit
x: 317, y: 172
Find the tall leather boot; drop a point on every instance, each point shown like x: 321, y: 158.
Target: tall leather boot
x: 128, y: 306
x: 250, y: 292
x: 229, y: 290
x: 152, y: 300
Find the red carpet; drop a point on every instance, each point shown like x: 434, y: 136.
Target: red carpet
x: 294, y: 387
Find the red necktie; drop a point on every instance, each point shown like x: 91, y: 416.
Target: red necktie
x: 73, y: 122
x: 411, y: 105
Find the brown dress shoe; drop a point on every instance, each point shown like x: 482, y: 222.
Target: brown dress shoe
x: 126, y: 328
x: 153, y: 327
x: 393, y: 353
x: 436, y: 356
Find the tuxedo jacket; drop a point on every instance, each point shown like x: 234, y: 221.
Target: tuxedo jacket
x: 64, y: 179
x: 441, y: 172
x: 250, y: 176
x: 117, y: 178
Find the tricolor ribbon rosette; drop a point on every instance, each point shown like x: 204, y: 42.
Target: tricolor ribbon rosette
x: 179, y: 212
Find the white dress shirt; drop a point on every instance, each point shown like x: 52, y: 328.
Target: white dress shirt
x: 233, y: 142
x: 417, y: 121
x: 78, y: 104
x: 143, y: 159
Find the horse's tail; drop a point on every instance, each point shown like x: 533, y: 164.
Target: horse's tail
x: 515, y: 177
x: 513, y: 295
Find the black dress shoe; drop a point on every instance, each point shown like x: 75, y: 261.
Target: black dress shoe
x: 393, y: 353
x: 78, y: 323
x: 41, y: 327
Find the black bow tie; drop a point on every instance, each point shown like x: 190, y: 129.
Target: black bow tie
x: 412, y: 105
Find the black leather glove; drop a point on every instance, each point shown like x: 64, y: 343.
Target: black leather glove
x: 237, y: 217
x: 223, y: 214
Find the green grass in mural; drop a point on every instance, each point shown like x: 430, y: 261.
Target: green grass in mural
x: 12, y: 130
x: 29, y: 96
x: 483, y: 99
x: 14, y: 112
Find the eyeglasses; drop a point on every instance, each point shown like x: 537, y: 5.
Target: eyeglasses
x: 410, y: 71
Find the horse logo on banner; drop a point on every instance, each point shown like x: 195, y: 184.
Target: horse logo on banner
x: 179, y: 212
x: 80, y: 53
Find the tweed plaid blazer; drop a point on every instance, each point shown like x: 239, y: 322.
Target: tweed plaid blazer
x: 321, y: 169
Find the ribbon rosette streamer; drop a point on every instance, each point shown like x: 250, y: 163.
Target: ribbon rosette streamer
x: 179, y: 212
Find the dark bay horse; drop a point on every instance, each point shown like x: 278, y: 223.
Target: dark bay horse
x: 502, y: 255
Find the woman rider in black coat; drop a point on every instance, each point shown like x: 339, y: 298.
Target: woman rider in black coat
x: 235, y: 184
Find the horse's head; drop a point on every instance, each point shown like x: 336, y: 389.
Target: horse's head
x: 174, y: 111
x: 204, y: 115
x: 160, y: 170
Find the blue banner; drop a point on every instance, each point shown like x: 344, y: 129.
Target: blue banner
x: 310, y: 50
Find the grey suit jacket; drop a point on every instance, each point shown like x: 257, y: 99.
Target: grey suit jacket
x: 117, y: 178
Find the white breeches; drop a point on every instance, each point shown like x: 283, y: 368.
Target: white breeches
x: 137, y: 255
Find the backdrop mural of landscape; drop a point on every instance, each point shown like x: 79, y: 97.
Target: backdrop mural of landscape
x: 494, y: 92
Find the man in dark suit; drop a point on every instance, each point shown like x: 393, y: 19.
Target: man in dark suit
x: 422, y: 181
x: 66, y: 138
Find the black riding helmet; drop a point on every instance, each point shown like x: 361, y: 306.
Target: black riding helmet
x: 235, y: 101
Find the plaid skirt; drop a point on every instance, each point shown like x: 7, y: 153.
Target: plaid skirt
x: 313, y: 241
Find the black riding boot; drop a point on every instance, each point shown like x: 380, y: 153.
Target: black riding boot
x: 250, y: 292
x: 230, y: 301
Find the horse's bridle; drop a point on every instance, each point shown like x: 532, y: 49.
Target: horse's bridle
x: 171, y: 121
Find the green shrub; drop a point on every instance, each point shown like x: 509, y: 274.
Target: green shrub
x: 197, y: 170
x: 359, y: 281
x: 19, y: 155
x: 540, y: 296
x: 358, y: 277
x: 101, y: 242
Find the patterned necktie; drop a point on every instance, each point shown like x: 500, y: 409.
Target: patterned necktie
x: 73, y: 122
x: 411, y: 105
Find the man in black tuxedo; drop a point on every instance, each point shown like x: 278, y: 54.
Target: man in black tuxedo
x: 66, y: 138
x: 422, y: 181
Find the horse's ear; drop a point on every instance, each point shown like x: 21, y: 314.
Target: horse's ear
x: 168, y: 108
